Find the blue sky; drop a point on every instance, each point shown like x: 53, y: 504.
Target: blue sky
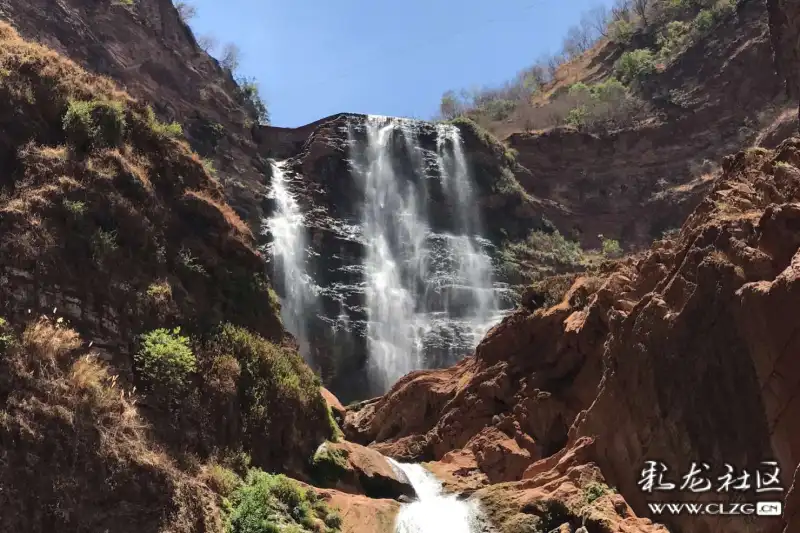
x: 315, y: 58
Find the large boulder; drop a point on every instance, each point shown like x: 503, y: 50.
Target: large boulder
x: 356, y: 469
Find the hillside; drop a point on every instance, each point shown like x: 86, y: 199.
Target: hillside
x: 641, y: 160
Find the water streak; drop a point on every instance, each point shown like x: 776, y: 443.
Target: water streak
x: 433, y: 511
x: 288, y: 250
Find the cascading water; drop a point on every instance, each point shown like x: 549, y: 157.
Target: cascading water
x: 430, y: 295
x: 286, y: 227
x: 433, y: 511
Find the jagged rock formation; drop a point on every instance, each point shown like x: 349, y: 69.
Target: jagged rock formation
x: 784, y: 26
x: 680, y: 355
x: 332, y: 199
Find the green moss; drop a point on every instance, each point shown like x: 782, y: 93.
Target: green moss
x: 267, y: 503
x: 328, y: 465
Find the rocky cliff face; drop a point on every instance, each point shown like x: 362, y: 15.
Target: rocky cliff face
x: 145, y: 47
x: 327, y: 177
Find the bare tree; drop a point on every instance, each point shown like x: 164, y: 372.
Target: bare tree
x: 207, y: 43
x: 621, y: 11
x: 186, y: 11
x: 450, y: 106
x: 642, y: 9
x: 231, y: 57
x: 597, y: 19
x: 576, y: 42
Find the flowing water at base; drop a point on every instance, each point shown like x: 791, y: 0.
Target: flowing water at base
x: 433, y: 511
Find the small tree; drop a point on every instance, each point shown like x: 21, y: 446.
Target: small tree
x: 642, y: 9
x: 186, y: 11
x: 597, y: 20
x: 635, y: 65
x: 207, y: 43
x: 231, y: 57
x: 450, y: 107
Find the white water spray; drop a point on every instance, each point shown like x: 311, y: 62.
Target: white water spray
x: 433, y: 511
x: 286, y: 227
x: 430, y: 295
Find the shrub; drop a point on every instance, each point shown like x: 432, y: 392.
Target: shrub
x: 595, y: 490
x: 75, y: 207
x: 267, y: 503
x: 165, y: 360
x: 221, y: 480
x: 94, y: 124
x: 673, y: 39
x: 159, y: 291
x: 208, y: 165
x: 190, y: 262
x: 621, y: 31
x: 635, y: 66
x: 611, y: 247
x: 277, y: 393
x: 703, y: 22
x: 104, y: 243
x: 250, y: 95
x: 577, y: 116
x: 6, y: 335
x: 170, y: 130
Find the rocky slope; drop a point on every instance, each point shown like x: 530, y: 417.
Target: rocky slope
x: 683, y: 355
x: 145, y: 47
x: 718, y: 95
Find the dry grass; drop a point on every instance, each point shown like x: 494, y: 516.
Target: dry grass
x: 226, y: 212
x: 95, y: 467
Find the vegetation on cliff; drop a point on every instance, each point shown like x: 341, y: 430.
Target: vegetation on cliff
x: 110, y: 222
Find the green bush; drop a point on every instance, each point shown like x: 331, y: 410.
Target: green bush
x: 76, y: 208
x: 611, y: 247
x: 94, y: 124
x: 276, y: 387
x: 104, y: 244
x: 673, y: 39
x: 621, y: 31
x: 595, y: 490
x: 249, y: 95
x: 635, y: 66
x: 704, y: 21
x: 267, y: 503
x: 499, y: 109
x: 165, y: 360
x: 170, y: 130
x: 7, y: 338
x: 577, y: 116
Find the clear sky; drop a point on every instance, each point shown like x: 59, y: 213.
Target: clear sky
x: 314, y: 58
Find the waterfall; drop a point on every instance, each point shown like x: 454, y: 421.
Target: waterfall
x: 430, y: 294
x: 288, y: 250
x: 433, y: 511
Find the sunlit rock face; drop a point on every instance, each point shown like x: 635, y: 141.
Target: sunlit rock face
x: 380, y: 251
